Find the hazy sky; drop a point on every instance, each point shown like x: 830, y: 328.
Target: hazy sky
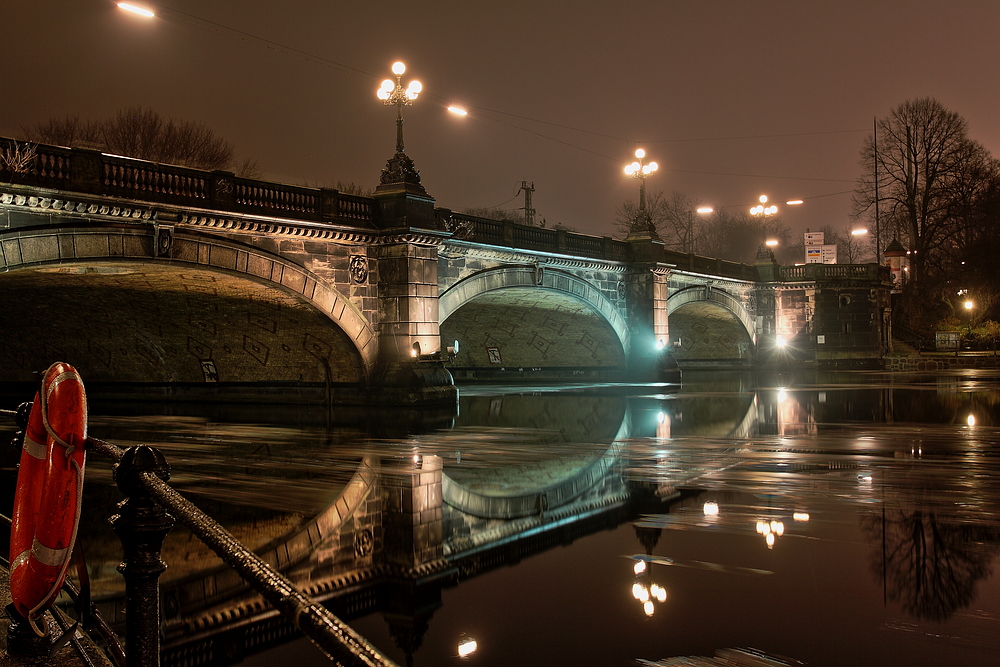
x: 733, y: 98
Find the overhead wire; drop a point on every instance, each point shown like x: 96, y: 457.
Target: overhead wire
x: 201, y: 22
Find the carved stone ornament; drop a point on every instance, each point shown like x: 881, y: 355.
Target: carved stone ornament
x: 463, y: 230
x: 400, y: 169
x: 359, y: 268
x: 364, y: 541
x: 621, y: 289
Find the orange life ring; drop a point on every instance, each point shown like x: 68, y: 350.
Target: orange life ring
x: 49, y: 492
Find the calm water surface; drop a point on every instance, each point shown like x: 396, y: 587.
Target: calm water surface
x: 844, y: 519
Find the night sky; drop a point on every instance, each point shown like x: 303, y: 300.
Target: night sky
x: 731, y: 98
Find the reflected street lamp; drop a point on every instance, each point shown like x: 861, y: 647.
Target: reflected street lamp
x: 643, y: 222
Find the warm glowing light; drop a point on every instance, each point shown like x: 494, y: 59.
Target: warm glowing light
x: 763, y: 199
x: 771, y: 242
x: 458, y: 111
x: 794, y: 202
x: 661, y: 594
x: 643, y: 595
x: 778, y: 528
x: 705, y: 209
x: 711, y: 508
x: 800, y: 516
x: 650, y: 168
x: 467, y: 647
x: 782, y: 395
x: 780, y: 341
x: 865, y: 479
x: 398, y: 68
x: 858, y: 232
x: 971, y: 420
x: 639, y: 153
x: 141, y: 11
x: 661, y: 417
x: 762, y: 527
x: 769, y: 539
x: 647, y: 607
x: 637, y: 591
x: 639, y: 567
x: 968, y: 305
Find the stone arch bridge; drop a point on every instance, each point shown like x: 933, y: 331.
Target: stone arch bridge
x: 155, y: 275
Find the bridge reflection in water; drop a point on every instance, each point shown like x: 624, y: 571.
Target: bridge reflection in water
x: 734, y: 493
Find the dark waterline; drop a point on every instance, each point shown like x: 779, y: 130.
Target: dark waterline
x: 893, y: 563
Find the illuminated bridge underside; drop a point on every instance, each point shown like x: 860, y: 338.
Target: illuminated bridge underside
x: 531, y: 327
x: 132, y: 322
x: 709, y: 334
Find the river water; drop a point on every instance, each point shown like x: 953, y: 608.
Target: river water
x: 837, y: 519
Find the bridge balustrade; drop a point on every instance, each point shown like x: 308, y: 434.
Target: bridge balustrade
x: 835, y: 272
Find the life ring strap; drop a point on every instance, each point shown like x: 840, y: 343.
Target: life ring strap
x: 48, y: 556
x: 35, y: 450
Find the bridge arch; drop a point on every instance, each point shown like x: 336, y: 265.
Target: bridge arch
x: 534, y: 277
x: 262, y: 282
x: 706, y: 301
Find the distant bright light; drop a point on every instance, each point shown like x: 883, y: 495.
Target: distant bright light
x: 711, y: 508
x: 971, y: 420
x: 794, y: 202
x: 458, y: 111
x: 968, y: 305
x: 858, y: 232
x: 705, y: 209
x: 141, y: 11
x: 648, y: 608
x: 780, y: 341
x: 467, y: 647
x: 771, y: 242
x: 763, y: 199
x: 398, y: 68
x: 800, y: 516
x: 639, y: 153
x: 639, y: 567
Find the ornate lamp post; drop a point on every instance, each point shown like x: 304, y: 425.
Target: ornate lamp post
x: 400, y: 167
x: 393, y: 93
x: 643, y: 222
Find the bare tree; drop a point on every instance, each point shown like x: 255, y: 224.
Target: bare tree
x: 929, y: 176
x: 673, y: 218
x: 737, y: 236
x: 142, y: 133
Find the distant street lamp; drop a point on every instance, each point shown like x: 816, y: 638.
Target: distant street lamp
x: 643, y: 222
x: 762, y: 209
x: 141, y: 11
x: 394, y: 94
x: 689, y: 241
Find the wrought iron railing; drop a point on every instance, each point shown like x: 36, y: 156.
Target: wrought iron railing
x: 142, y: 522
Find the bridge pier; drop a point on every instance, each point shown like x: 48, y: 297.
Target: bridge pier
x: 409, y: 366
x: 649, y: 358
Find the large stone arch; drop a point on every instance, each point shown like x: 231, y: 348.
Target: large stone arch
x: 99, y: 248
x: 505, y: 277
x: 732, y: 336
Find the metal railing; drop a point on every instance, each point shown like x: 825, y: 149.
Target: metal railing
x: 145, y: 518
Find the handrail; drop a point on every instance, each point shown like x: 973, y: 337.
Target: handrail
x: 329, y: 633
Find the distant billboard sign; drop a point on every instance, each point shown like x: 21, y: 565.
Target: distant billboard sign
x: 814, y: 238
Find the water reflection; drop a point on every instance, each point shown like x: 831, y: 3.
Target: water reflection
x: 407, y: 526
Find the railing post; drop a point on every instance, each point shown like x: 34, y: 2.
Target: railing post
x: 141, y: 524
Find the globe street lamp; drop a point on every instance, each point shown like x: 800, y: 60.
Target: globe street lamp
x: 393, y: 93
x: 643, y: 222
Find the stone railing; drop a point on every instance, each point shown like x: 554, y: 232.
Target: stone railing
x: 869, y: 272
x: 92, y: 172
x: 96, y: 173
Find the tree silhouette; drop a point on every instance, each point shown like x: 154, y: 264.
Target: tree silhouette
x: 142, y: 133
